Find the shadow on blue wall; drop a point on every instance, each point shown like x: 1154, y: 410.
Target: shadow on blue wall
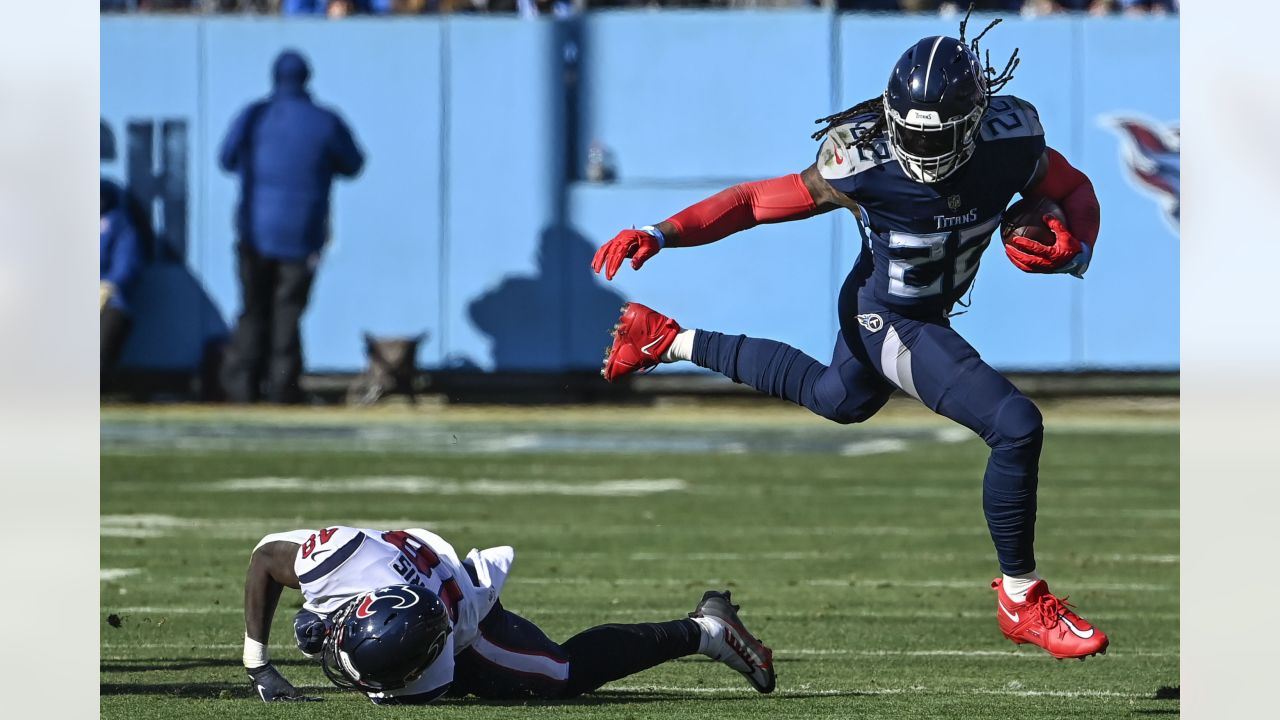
x: 529, y: 324
x: 175, y: 322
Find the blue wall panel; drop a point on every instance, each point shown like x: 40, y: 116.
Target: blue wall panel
x: 706, y: 95
x: 1130, y: 307
x: 465, y: 222
x: 503, y: 279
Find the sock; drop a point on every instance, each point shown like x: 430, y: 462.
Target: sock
x: 610, y: 652
x: 1016, y: 586
x: 681, y: 349
x: 711, y: 639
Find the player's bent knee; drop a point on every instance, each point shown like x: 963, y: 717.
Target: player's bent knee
x: 1018, y: 422
x: 844, y: 416
x: 848, y: 413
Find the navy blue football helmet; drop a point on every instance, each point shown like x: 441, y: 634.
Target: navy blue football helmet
x: 385, y: 639
x: 933, y: 105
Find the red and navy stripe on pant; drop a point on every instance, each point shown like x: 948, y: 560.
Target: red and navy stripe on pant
x: 512, y: 658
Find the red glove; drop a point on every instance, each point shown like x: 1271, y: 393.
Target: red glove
x: 1030, y: 256
x: 634, y: 244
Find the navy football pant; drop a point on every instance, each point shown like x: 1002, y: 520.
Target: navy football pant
x: 929, y: 361
x: 514, y: 659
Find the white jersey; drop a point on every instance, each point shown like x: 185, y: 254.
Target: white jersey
x: 339, y: 563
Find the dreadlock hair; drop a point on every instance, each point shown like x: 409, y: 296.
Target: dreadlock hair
x: 995, y: 83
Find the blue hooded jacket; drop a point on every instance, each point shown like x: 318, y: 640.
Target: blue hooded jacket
x: 119, y: 251
x: 286, y: 150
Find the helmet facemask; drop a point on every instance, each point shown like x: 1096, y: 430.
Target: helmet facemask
x: 928, y: 148
x: 335, y: 661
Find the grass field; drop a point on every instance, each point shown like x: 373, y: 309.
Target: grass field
x: 858, y: 553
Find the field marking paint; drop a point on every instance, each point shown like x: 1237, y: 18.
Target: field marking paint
x: 953, y: 434
x: 113, y: 574
x: 967, y: 584
x: 693, y: 581
x: 841, y: 582
x: 873, y: 447
x: 535, y: 612
x: 736, y: 690
x: 143, y: 525
x: 150, y: 526
x: 798, y: 652
x: 1065, y: 693
x: 417, y: 485
x: 838, y: 555
x: 1014, y: 654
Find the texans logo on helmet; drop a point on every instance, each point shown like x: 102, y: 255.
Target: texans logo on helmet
x: 405, y: 598
x: 1152, y: 156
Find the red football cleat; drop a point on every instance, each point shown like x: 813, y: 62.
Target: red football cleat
x: 639, y: 339
x: 1044, y: 620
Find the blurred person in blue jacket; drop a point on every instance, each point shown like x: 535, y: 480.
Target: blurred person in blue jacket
x: 286, y: 150
x: 119, y: 263
x: 336, y: 8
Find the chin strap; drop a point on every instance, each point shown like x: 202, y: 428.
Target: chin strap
x: 1073, y: 192
x: 744, y: 206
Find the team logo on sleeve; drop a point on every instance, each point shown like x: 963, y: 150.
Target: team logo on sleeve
x: 871, y: 322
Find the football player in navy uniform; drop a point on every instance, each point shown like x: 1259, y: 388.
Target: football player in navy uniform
x: 927, y: 169
x: 401, y: 617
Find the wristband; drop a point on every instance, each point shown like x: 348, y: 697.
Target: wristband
x: 655, y: 232
x: 255, y: 653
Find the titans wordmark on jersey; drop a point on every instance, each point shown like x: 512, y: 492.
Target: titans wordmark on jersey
x: 922, y: 241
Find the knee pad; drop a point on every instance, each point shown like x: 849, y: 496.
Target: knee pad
x: 1017, y: 422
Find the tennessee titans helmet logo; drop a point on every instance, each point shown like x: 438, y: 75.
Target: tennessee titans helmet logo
x: 1152, y: 157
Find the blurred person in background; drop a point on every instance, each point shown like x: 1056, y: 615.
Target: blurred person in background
x: 337, y: 8
x: 869, y: 5
x: 286, y: 150
x: 119, y: 263
x: 1146, y: 7
x: 952, y: 7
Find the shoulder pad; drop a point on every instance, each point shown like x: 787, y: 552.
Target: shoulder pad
x: 325, y: 551
x: 839, y: 158
x: 1010, y: 117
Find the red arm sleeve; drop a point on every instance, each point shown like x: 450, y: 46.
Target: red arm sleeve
x: 744, y: 206
x: 1073, y: 192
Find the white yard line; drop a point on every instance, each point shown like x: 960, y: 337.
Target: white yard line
x: 893, y: 555
x: 873, y: 447
x: 112, y: 574
x: 225, y: 528
x: 536, y: 612
x: 876, y: 583
x: 782, y: 653
x: 420, y: 485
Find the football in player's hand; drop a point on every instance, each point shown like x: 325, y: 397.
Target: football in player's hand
x: 1026, y: 218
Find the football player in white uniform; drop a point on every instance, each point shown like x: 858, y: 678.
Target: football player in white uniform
x: 400, y: 616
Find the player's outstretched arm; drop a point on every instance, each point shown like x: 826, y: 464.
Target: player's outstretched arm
x: 1058, y: 180
x: 781, y: 199
x: 270, y: 571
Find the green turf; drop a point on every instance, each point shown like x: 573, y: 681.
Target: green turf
x: 867, y: 575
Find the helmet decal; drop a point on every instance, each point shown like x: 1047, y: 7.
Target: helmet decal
x: 377, y: 645
x: 397, y: 592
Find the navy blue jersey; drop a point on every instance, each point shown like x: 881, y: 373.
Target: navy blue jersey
x: 922, y: 241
